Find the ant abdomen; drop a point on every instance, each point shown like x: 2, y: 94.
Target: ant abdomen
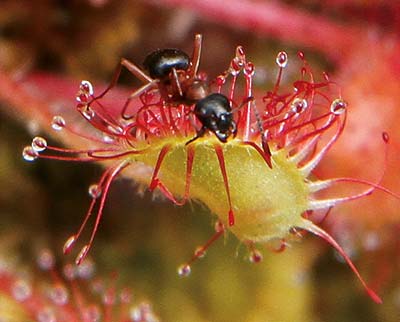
x: 160, y: 63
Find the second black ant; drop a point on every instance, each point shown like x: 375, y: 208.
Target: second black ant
x: 171, y: 72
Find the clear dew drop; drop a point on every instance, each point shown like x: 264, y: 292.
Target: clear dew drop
x: 82, y: 255
x: 184, y: 270
x: 94, y: 191
x: 88, y: 113
x: 39, y: 144
x: 249, y: 69
x: 86, y: 87
x: 46, y: 315
x: 219, y: 226
x: 220, y: 80
x: 59, y: 295
x: 200, y: 252
x: 385, y: 137
x: 338, y: 106
x: 107, y: 138
x: 282, y: 59
x: 29, y: 154
x: 299, y: 105
x: 255, y: 256
x: 69, y: 244
x: 21, y: 290
x: 58, y: 123
x: 235, y: 68
x: 82, y: 98
x: 240, y: 52
x: 115, y: 129
x: 46, y: 260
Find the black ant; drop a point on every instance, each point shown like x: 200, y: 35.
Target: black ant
x: 215, y: 114
x: 171, y: 72
x: 174, y: 74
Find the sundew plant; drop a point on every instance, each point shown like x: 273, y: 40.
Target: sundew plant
x: 267, y: 134
x: 50, y: 292
x: 249, y: 160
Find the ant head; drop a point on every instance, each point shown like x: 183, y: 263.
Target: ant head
x: 215, y: 114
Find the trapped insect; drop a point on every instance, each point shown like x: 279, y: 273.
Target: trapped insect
x: 251, y: 165
x: 172, y: 74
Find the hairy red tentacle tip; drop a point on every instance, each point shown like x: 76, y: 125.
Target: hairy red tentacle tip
x: 29, y: 154
x: 184, y: 270
x: 68, y: 245
x: 385, y: 137
x: 231, y: 218
x: 255, y: 256
x: 374, y: 296
x: 200, y: 252
x: 58, y: 123
x: 82, y: 254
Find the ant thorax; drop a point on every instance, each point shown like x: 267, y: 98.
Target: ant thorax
x: 190, y: 90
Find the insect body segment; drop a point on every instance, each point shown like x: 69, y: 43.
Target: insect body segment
x: 215, y: 114
x: 173, y: 72
x: 176, y: 75
x: 162, y: 62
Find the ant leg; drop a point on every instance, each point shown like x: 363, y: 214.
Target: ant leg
x: 220, y: 155
x: 199, y: 134
x: 198, y: 38
x: 132, y: 68
x: 176, y: 82
x: 114, y: 81
x: 142, y: 76
x: 155, y: 182
x: 136, y: 93
x: 135, y: 70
